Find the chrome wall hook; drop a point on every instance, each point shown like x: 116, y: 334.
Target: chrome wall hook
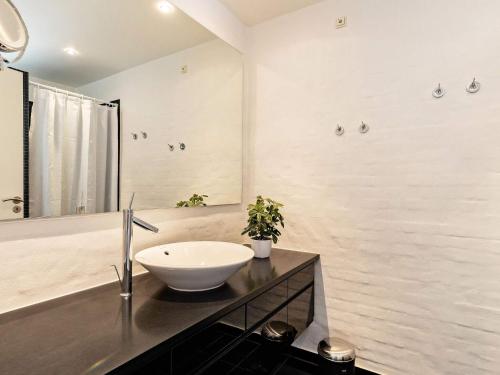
x: 363, y: 128
x: 182, y: 146
x: 144, y: 135
x: 134, y: 136
x: 438, y: 92
x: 171, y: 147
x: 339, y: 130
x: 473, y: 87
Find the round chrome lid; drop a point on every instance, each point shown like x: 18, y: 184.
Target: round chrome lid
x: 278, y: 331
x: 336, y: 350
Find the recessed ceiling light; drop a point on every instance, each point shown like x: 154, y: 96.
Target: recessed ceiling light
x: 165, y: 7
x: 71, y: 51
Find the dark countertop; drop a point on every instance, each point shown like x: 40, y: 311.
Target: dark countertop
x: 94, y: 332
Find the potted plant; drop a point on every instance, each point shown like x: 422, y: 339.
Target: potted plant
x: 263, y: 219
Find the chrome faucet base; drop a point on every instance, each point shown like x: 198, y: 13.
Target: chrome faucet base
x: 128, y: 233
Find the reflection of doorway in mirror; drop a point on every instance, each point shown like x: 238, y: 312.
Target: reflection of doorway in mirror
x: 11, y: 144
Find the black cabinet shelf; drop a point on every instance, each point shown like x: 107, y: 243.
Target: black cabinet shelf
x: 203, y: 352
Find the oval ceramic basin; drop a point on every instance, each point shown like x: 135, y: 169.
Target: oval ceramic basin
x: 194, y: 266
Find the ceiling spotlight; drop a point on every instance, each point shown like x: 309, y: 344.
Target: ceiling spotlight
x: 165, y: 7
x: 71, y: 51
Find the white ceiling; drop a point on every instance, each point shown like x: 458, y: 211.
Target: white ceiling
x: 111, y: 36
x: 252, y: 12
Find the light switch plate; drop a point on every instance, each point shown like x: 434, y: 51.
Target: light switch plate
x: 341, y: 22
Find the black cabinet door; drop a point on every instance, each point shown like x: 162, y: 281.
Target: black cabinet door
x: 200, y: 348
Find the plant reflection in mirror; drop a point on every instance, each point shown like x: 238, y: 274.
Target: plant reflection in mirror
x: 195, y: 201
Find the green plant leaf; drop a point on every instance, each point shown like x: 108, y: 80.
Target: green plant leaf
x: 196, y: 200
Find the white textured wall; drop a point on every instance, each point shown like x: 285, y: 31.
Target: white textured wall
x: 202, y: 108
x: 406, y: 217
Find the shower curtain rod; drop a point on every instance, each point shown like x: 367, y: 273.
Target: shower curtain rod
x: 75, y: 94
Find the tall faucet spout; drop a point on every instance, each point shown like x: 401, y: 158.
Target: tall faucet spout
x: 144, y: 225
x: 128, y: 233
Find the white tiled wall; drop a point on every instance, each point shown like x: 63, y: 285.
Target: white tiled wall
x: 407, y: 216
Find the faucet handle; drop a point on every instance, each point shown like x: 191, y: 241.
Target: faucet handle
x: 131, y: 201
x: 117, y: 274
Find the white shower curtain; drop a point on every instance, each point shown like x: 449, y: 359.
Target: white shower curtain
x: 73, y: 155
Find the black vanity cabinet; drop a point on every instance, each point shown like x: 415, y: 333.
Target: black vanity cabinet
x: 158, y: 330
x: 211, y: 349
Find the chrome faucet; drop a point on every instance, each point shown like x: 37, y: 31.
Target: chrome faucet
x: 128, y: 223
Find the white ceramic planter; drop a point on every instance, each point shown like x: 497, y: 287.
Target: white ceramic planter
x: 262, y: 248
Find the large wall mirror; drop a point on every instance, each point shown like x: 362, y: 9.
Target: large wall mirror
x: 114, y: 97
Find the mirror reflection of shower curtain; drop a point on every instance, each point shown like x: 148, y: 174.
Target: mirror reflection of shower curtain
x: 73, y: 147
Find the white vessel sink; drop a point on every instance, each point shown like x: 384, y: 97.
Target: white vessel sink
x: 195, y: 266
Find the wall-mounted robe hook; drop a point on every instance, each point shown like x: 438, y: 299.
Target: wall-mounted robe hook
x: 171, y: 147
x: 134, y: 136
x: 438, y: 92
x: 182, y: 146
x: 144, y: 135
x: 363, y: 128
x: 339, y: 130
x: 473, y: 87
